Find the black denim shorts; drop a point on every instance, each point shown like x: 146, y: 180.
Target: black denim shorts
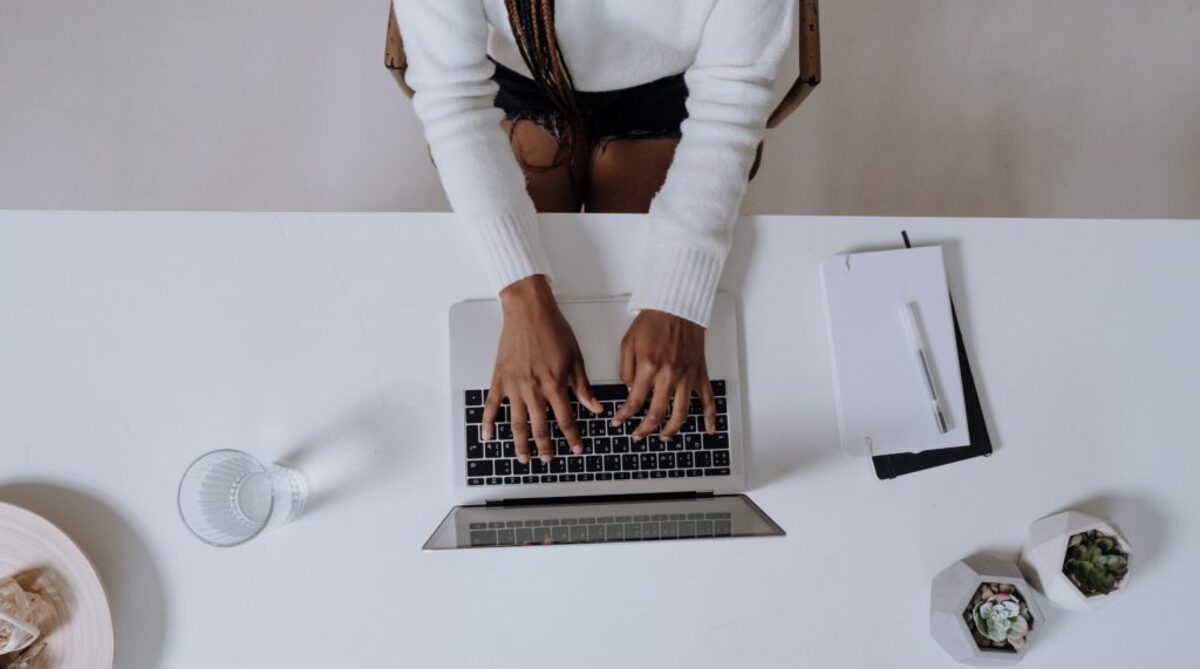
x: 655, y: 109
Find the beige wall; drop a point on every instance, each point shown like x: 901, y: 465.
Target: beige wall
x: 1085, y: 108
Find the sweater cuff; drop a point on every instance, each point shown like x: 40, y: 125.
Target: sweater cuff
x: 679, y: 280
x: 513, y: 246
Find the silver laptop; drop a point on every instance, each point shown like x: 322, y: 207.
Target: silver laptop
x: 684, y: 487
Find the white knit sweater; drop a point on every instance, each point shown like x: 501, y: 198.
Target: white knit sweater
x: 730, y: 51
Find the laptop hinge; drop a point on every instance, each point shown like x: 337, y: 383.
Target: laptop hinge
x: 593, y: 499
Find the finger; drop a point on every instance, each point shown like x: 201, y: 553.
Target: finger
x: 658, y: 407
x: 636, y: 399
x: 566, y: 420
x: 540, y: 425
x: 709, y: 404
x: 583, y: 389
x: 490, y: 408
x: 679, y: 412
x: 520, y: 428
x: 628, y: 364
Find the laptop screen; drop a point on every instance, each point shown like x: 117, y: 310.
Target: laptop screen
x: 723, y: 516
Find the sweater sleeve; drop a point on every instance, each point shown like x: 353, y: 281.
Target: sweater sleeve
x: 730, y: 92
x: 446, y: 45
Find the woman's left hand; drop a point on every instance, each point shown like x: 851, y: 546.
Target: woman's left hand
x: 662, y: 357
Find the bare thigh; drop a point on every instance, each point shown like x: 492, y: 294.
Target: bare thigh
x: 553, y: 187
x: 624, y: 175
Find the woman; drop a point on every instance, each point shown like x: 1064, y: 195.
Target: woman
x: 610, y: 106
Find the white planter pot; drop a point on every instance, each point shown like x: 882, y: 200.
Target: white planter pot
x: 1046, y: 548
x: 952, y: 592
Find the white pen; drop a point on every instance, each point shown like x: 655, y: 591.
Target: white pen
x: 909, y: 316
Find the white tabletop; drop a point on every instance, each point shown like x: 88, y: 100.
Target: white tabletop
x: 132, y: 342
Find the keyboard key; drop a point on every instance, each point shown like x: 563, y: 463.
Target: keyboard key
x: 602, y: 444
x: 721, y: 458
x: 479, y: 468
x: 641, y: 475
x: 474, y: 414
x: 492, y: 449
x: 475, y: 481
x: 512, y: 480
x: 666, y: 460
x: 506, y: 537
x: 578, y: 533
x: 639, y: 446
x: 633, y: 531
x: 610, y: 392
x: 508, y: 449
x: 621, y: 476
x: 520, y: 469
x: 649, y: 461
x: 655, y: 443
x: 721, y: 406
x: 704, y: 459
x: 594, y: 463
x: 687, y: 529
x: 494, y: 480
x: 612, y: 463
x: 615, y: 532
x: 555, y: 431
x: 588, y: 447
x: 649, y: 530
x: 597, y: 428
x: 717, y: 471
x: 473, y: 435
x: 604, y: 476
x: 718, y: 440
x: 524, y: 535
x: 561, y: 447
x: 538, y: 466
x: 474, y: 398
x: 610, y: 409
x: 503, y: 467
x: 675, y: 473
x: 693, y: 442
x: 675, y: 443
x: 658, y: 474
x: 668, y: 529
x: 549, y: 478
x: 560, y: 534
x: 587, y: 477
x: 504, y: 431
x: 704, y: 528
x: 575, y: 464
x: 620, y: 444
x: 529, y: 479
x: 474, y: 451
x: 541, y: 535
x: 483, y: 538
x: 722, y: 528
x: 696, y: 407
x: 558, y: 466
x: 695, y: 472
x: 629, y: 462
x: 722, y: 423
x: 566, y: 478
x: 595, y: 533
x: 718, y: 388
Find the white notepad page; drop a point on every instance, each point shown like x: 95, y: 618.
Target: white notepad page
x: 882, y: 400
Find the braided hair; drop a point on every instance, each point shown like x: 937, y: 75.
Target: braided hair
x: 533, y: 27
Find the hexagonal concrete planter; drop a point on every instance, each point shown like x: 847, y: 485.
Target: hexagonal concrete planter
x: 953, y: 592
x: 1045, y: 552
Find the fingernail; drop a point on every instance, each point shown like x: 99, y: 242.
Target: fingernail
x: 546, y: 459
x: 614, y: 422
x: 637, y: 438
x: 522, y: 458
x: 577, y: 449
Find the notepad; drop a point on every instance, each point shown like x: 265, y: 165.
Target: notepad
x: 882, y: 398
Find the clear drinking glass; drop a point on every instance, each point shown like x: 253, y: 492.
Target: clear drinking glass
x: 227, y: 497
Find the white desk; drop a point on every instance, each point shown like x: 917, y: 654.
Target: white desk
x: 131, y: 343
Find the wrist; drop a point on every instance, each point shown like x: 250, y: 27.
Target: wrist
x: 532, y: 292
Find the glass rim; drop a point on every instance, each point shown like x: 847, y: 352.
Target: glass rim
x: 179, y: 499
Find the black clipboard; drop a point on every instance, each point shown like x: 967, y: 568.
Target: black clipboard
x: 899, y: 464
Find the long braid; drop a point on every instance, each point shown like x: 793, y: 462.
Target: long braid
x: 533, y: 27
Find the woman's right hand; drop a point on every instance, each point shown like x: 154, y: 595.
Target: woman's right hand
x: 537, y: 361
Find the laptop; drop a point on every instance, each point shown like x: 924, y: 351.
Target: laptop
x: 618, y: 490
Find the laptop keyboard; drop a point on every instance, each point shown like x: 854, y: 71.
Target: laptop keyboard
x: 602, y: 528
x: 609, y: 452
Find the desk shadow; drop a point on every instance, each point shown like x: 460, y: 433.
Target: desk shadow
x: 347, y: 456
x: 1141, y: 521
x: 130, y: 575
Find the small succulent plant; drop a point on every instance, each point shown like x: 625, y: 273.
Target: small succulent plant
x: 999, y: 618
x: 1095, y: 563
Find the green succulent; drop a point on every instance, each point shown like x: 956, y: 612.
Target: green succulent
x: 1095, y: 563
x: 999, y: 618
